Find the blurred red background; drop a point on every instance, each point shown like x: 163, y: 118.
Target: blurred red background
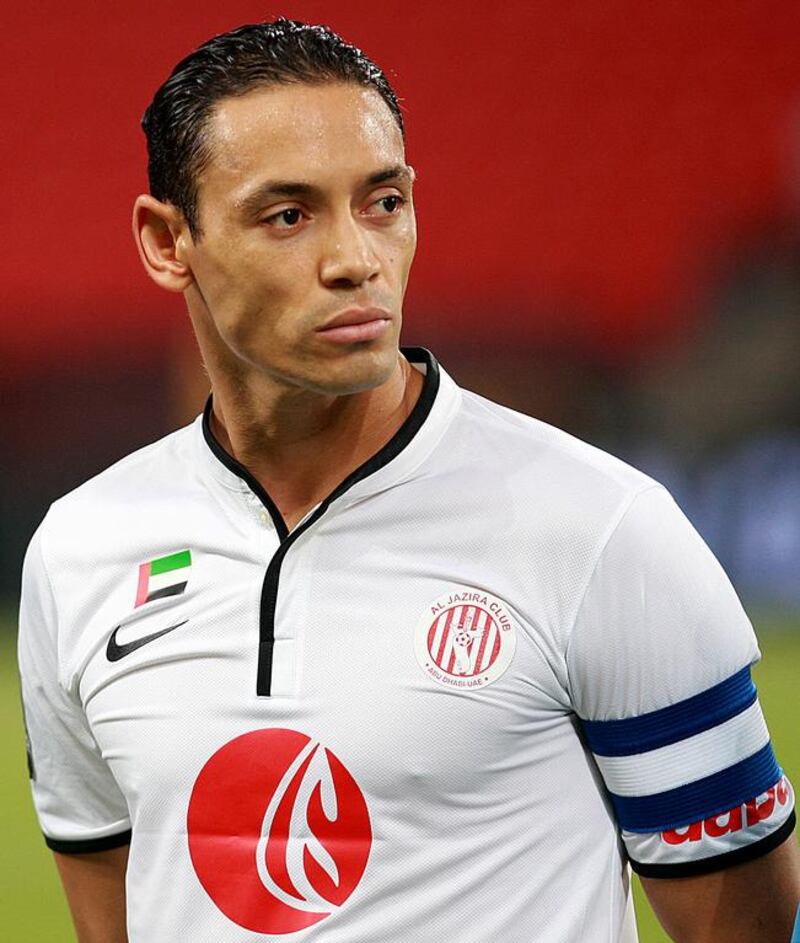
x: 583, y: 167
x: 607, y: 198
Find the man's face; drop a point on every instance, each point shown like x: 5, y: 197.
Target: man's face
x: 306, y: 218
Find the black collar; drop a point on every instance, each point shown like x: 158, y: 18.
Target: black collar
x: 381, y: 458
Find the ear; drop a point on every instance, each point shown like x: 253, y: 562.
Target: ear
x: 161, y: 235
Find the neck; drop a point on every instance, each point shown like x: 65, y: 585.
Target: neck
x: 299, y: 445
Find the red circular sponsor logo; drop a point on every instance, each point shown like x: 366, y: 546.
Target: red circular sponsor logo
x: 279, y: 831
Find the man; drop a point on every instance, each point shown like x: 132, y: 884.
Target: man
x: 359, y: 656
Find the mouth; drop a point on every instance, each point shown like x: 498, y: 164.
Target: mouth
x: 356, y: 325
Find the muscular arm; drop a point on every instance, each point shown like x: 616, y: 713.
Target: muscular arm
x: 753, y: 902
x: 95, y: 887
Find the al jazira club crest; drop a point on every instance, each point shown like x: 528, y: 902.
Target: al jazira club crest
x: 465, y: 639
x: 279, y: 831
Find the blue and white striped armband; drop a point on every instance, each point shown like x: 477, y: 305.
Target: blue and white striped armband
x: 695, y: 786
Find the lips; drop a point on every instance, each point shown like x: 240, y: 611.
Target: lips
x: 356, y: 316
x: 356, y: 324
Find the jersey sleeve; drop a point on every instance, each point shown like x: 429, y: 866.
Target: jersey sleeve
x: 77, y: 800
x: 659, y: 670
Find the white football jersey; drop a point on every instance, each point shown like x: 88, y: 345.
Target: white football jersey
x: 490, y: 668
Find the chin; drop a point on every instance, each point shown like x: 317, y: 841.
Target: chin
x: 354, y: 371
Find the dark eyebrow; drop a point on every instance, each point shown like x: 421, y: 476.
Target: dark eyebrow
x: 288, y: 189
x: 274, y: 189
x: 398, y: 172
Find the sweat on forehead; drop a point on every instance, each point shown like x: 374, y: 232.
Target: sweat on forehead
x: 301, y: 114
x: 290, y: 138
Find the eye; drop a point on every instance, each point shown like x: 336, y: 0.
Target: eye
x: 389, y: 205
x: 285, y: 219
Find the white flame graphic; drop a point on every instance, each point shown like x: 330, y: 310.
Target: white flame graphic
x: 300, y: 836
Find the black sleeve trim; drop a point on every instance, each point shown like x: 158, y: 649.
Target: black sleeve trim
x: 719, y: 862
x: 89, y: 844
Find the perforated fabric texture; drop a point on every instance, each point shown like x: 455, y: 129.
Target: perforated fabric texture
x: 470, y: 805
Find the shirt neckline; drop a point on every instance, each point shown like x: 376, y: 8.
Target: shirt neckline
x: 407, y: 448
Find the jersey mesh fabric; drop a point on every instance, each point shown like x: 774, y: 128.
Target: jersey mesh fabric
x: 488, y: 815
x: 67, y: 761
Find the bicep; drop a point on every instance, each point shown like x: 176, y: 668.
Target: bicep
x: 94, y: 885
x: 754, y: 902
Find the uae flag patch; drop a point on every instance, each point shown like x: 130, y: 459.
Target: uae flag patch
x: 166, y: 576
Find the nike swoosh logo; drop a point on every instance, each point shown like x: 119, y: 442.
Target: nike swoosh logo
x: 114, y: 651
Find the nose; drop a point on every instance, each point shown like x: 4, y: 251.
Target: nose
x: 349, y: 259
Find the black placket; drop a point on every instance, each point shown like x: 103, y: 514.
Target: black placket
x: 270, y: 586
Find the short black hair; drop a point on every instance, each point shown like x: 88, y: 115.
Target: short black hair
x: 260, y: 54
